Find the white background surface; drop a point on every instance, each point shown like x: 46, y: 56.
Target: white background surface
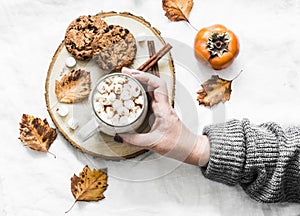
x: 33, y: 183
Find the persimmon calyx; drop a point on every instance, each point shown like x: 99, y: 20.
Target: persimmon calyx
x: 217, y: 44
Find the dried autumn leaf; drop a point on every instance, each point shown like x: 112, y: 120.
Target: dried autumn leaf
x: 177, y: 10
x: 73, y: 87
x: 36, y: 133
x: 89, y: 185
x: 214, y: 91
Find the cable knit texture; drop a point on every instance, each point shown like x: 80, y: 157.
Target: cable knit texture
x: 264, y: 159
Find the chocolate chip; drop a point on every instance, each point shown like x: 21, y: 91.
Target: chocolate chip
x: 109, y: 64
x: 90, y: 26
x: 78, y: 20
x: 110, y: 27
x: 106, y: 30
x: 95, y: 31
x: 126, y: 31
x: 85, y: 57
x: 89, y: 15
x: 120, y: 30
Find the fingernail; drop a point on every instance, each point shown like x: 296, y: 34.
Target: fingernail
x: 118, y: 139
x: 125, y: 68
x: 135, y: 72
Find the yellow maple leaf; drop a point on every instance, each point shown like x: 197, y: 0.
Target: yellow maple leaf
x: 89, y: 185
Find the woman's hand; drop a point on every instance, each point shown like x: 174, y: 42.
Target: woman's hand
x: 168, y: 135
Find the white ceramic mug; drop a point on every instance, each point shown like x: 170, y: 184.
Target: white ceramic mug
x: 98, y: 124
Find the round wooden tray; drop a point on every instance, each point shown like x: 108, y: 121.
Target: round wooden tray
x: 102, y: 145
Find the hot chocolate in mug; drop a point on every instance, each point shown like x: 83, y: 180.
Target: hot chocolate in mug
x: 119, y: 105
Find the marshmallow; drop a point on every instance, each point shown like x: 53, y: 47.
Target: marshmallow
x: 135, y: 91
x: 118, y: 88
x: 141, y: 37
x: 132, y: 116
x: 103, y: 116
x: 110, y: 112
x: 70, y: 62
x: 111, y: 88
x: 125, y: 95
x: 99, y: 106
x: 104, y: 99
x: 137, y: 109
x: 122, y: 111
x: 126, y: 87
x: 73, y: 123
x: 123, y: 120
x: 108, y: 81
x: 102, y: 88
x: 129, y: 104
x: 115, y: 120
x: 117, y: 104
x: 119, y: 80
x: 139, y: 100
x: 62, y: 111
x: 112, y: 97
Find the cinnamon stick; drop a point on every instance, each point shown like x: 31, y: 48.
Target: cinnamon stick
x: 155, y: 58
x: 151, y: 49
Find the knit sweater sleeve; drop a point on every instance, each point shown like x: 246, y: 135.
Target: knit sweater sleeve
x: 264, y: 159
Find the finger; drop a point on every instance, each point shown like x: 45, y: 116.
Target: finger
x: 155, y: 84
x: 126, y: 70
x: 152, y: 81
x: 138, y: 140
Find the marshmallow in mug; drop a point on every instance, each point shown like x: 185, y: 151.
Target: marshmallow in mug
x: 118, y: 100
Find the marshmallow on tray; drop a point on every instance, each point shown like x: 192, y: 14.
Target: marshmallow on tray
x: 62, y: 111
x: 73, y: 123
x: 70, y: 62
x: 141, y: 37
x: 118, y: 100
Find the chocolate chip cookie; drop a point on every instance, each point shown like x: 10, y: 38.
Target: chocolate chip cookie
x: 114, y: 48
x: 80, y: 34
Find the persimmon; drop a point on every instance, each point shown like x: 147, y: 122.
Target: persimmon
x: 217, y: 46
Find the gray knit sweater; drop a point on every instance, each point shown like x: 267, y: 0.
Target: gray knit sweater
x: 263, y: 159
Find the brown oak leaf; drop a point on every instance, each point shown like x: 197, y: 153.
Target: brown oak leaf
x: 36, y: 133
x: 89, y: 185
x: 177, y: 10
x: 214, y: 90
x: 73, y: 87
